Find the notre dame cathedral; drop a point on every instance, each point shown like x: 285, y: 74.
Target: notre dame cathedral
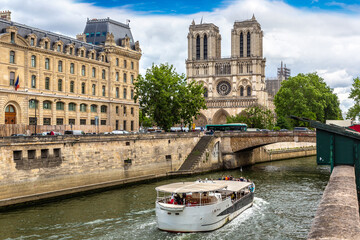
x: 231, y: 84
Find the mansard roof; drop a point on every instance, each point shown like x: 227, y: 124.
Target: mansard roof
x: 24, y: 30
x: 97, y: 29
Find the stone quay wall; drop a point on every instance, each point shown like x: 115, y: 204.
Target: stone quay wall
x: 33, y: 168
x: 337, y: 216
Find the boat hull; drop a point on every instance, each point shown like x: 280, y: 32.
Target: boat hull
x: 202, y: 218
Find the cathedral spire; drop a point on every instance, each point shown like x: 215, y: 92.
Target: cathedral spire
x: 253, y: 17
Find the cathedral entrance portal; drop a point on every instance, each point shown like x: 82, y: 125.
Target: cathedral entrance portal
x: 200, y: 121
x: 220, y: 117
x: 10, y: 115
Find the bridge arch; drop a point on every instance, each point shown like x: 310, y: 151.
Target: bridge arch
x: 220, y: 116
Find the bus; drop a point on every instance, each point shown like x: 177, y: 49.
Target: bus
x: 229, y: 127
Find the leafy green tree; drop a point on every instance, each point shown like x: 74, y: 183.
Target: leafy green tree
x: 283, y: 123
x: 308, y: 96
x: 255, y: 117
x: 166, y: 98
x: 145, y: 121
x: 355, y: 95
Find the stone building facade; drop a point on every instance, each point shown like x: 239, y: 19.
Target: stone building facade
x: 231, y: 84
x: 51, y: 79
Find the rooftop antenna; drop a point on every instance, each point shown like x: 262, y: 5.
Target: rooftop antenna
x: 127, y: 21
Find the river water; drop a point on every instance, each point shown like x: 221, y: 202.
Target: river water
x: 286, y: 198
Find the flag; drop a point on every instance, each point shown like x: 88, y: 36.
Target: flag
x: 17, y: 85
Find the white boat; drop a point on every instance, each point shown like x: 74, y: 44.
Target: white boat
x: 202, y: 205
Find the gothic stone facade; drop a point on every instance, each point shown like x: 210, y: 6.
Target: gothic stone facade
x: 69, y: 81
x: 231, y: 84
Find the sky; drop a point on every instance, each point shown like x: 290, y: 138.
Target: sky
x: 320, y: 36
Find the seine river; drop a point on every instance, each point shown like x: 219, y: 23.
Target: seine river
x: 286, y: 199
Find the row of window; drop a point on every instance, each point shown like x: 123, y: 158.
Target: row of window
x: 72, y: 87
x: 72, y: 68
x: 72, y: 107
x: 248, y: 91
x: 60, y: 121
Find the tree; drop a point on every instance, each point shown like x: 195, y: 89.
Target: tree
x: 308, y: 96
x: 255, y: 117
x: 145, y: 121
x: 166, y: 98
x: 355, y: 95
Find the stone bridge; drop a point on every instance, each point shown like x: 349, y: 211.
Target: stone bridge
x: 235, y: 142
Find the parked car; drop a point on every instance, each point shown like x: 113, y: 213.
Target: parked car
x: 49, y: 133
x: 74, y: 132
x: 301, y: 129
x: 119, y: 132
x: 18, y: 135
x: 283, y: 130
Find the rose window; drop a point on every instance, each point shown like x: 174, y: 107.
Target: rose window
x: 223, y: 88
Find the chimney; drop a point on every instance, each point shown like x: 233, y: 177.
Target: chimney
x: 6, y: 15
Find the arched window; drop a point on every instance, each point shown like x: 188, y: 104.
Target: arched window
x: 72, y: 106
x: 248, y: 91
x: 72, y: 84
x: 10, y: 109
x: 33, y: 61
x: 248, y: 44
x: 198, y: 47
x: 93, y: 108
x: 117, y: 92
x: 59, y: 85
x: 92, y: 55
x: 241, y: 91
x: 93, y: 72
x: 83, y: 70
x: 205, y: 47
x: 93, y: 89
x: 241, y: 45
x: 103, y: 74
x: 82, y: 107
x: 103, y: 109
x: 83, y: 88
x: 124, y: 77
x: 60, y: 66
x: 47, y: 83
x: 117, y: 76
x: 205, y: 92
x: 12, y: 57
x: 72, y: 68
x: 33, y: 103
x: 33, y: 81
x: 47, y: 63
x: 60, y: 106
x: 47, y: 105
x: 103, y: 91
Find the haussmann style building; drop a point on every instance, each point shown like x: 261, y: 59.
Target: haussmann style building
x: 51, y: 79
x: 231, y: 84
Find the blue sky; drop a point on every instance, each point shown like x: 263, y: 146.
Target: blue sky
x: 165, y: 7
x: 320, y: 36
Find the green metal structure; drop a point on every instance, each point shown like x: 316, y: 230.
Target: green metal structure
x: 336, y: 145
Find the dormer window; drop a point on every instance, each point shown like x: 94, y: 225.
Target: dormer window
x: 71, y: 51
x: 12, y: 37
x: 102, y: 58
x: 82, y: 53
x: 92, y: 55
x: 46, y: 45
x: 58, y: 47
x: 32, y: 41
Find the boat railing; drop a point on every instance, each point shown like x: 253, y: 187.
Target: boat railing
x: 191, y: 201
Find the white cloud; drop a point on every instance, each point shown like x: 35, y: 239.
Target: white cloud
x: 305, y: 40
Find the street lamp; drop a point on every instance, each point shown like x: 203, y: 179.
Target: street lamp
x: 34, y: 102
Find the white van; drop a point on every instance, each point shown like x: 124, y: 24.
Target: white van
x: 74, y: 132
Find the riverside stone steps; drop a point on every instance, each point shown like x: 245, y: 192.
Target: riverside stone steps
x: 195, y: 154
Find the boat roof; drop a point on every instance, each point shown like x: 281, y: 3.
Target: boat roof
x: 202, y: 186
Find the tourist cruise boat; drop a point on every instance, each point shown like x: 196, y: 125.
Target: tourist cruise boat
x: 202, y: 205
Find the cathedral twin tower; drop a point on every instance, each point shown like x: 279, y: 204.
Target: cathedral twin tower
x: 231, y: 84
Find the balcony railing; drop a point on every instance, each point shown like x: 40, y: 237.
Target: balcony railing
x: 242, y: 102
